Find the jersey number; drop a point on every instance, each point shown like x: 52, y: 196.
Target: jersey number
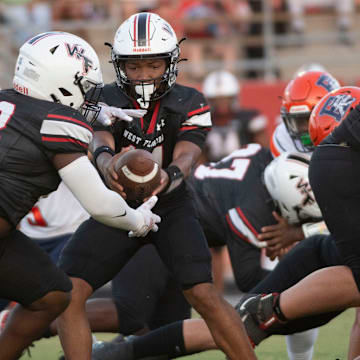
x: 239, y: 165
x: 6, y: 112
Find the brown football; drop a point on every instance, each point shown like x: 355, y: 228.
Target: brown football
x: 138, y: 173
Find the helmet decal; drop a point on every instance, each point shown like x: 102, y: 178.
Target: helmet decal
x: 79, y: 53
x: 141, y: 30
x: 39, y: 37
x: 327, y: 82
x: 337, y: 106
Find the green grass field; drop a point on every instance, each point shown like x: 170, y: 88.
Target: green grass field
x: 332, y: 344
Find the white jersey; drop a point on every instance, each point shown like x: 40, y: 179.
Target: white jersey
x: 281, y: 141
x: 57, y: 214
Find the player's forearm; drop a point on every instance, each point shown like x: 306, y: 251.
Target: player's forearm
x: 186, y: 155
x: 101, y: 203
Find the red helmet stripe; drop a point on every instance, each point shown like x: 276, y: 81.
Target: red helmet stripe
x: 135, y: 21
x: 148, y: 29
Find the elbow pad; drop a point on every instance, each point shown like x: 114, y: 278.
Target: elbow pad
x: 102, y: 204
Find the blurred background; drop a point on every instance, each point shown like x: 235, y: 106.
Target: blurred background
x: 262, y: 42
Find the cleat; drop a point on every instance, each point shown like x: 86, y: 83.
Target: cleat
x: 257, y: 314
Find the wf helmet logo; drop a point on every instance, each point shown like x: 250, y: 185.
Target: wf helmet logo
x: 305, y: 189
x: 337, y: 106
x: 79, y: 53
x: 327, y: 82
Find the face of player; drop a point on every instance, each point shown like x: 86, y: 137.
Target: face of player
x: 145, y: 69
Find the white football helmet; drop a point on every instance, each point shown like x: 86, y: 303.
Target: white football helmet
x: 220, y: 83
x: 145, y: 36
x: 60, y: 67
x: 286, y: 179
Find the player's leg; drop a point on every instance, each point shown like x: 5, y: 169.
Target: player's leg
x: 300, y: 346
x: 354, y: 345
x: 92, y: 257
x: 28, y: 276
x: 308, y: 256
x: 183, y: 248
x: 246, y: 263
x: 138, y: 289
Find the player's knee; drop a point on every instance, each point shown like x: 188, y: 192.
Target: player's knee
x: 81, y: 291
x: 54, y: 302
x: 203, y: 297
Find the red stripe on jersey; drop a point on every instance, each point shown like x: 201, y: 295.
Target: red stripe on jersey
x: 185, y: 128
x: 39, y: 220
x: 246, y: 221
x: 235, y: 230
x: 56, y: 139
x: 194, y: 112
x: 61, y: 117
x: 153, y: 119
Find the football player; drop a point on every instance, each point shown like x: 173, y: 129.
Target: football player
x: 233, y: 126
x: 145, y: 54
x: 44, y: 135
x: 221, y: 192
x: 333, y: 175
x: 300, y: 96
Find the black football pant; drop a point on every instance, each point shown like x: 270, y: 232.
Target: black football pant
x: 334, y: 176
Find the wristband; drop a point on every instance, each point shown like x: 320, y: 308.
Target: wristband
x: 100, y: 150
x: 310, y: 229
x: 174, y: 173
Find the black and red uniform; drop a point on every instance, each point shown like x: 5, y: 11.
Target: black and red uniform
x: 32, y: 132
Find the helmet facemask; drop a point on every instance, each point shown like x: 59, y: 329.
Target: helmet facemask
x: 297, y: 126
x: 91, y: 92
x: 146, y: 91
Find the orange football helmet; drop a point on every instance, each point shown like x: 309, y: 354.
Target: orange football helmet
x: 300, y: 97
x: 331, y: 110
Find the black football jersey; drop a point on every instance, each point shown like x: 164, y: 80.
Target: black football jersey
x: 32, y: 131
x: 231, y: 194
x: 182, y: 114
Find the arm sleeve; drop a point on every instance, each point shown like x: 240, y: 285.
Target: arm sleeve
x: 102, y: 204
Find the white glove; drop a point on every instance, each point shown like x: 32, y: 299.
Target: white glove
x: 109, y: 114
x: 150, y: 219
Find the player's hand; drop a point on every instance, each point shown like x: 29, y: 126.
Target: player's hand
x: 109, y: 114
x: 279, y: 236
x: 110, y: 175
x: 150, y: 219
x: 163, y: 183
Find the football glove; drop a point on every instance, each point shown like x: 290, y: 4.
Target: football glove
x: 150, y: 219
x: 109, y: 114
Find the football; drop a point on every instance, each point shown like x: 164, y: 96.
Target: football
x: 138, y: 173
